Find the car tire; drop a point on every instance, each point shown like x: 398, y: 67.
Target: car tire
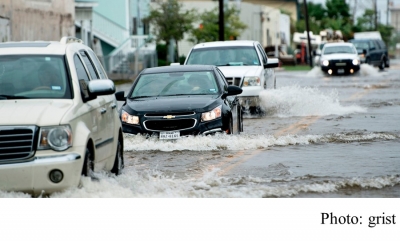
x: 382, y: 65
x: 230, y: 130
x: 119, y: 159
x: 88, y: 164
x: 240, y: 120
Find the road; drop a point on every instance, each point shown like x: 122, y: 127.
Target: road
x: 320, y: 137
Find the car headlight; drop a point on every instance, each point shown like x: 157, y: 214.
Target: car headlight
x: 130, y: 119
x: 251, y: 81
x: 356, y: 62
x: 58, y: 138
x: 325, y: 62
x: 211, y: 115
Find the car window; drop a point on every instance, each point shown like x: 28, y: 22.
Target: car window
x: 372, y: 45
x: 361, y: 44
x: 176, y: 83
x: 224, y: 56
x: 89, y: 65
x: 97, y: 64
x: 339, y: 49
x: 221, y: 76
x: 34, y: 76
x: 263, y: 55
x: 82, y: 77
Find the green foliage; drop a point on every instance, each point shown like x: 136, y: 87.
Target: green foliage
x: 170, y: 21
x: 208, y: 29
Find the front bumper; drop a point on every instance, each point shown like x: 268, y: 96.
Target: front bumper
x: 33, y: 177
x: 200, y: 128
x: 340, y: 70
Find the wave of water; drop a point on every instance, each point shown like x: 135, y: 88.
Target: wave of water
x: 365, y: 70
x: 294, y: 100
x: 153, y: 184
x: 235, y: 142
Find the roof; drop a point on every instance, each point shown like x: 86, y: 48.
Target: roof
x: 178, y: 68
x: 37, y: 47
x: 226, y: 43
x: 338, y: 44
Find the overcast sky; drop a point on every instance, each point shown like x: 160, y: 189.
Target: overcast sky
x: 364, y: 4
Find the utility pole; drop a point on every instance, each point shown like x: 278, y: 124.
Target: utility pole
x: 221, y: 23
x: 376, y: 15
x: 308, y: 34
x: 387, y: 13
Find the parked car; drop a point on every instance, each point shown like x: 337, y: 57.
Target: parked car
x: 174, y: 101
x: 243, y: 62
x: 373, y: 52
x: 59, y: 119
x: 339, y: 58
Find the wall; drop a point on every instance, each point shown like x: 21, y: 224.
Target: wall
x: 38, y: 19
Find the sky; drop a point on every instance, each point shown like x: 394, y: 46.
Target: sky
x: 364, y: 4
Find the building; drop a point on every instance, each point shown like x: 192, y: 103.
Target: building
x: 36, y: 19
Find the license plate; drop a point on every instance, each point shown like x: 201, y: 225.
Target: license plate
x: 340, y: 71
x: 170, y: 135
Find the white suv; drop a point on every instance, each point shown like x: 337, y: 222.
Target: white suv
x: 243, y: 62
x: 59, y: 117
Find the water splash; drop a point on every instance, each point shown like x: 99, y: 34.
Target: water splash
x: 294, y: 100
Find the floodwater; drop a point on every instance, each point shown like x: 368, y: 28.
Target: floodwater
x: 320, y: 137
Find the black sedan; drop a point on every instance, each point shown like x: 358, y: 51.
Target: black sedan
x: 181, y: 100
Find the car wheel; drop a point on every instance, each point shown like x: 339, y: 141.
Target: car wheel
x: 382, y: 65
x: 119, y: 159
x: 230, y: 130
x: 88, y: 164
x: 240, y: 120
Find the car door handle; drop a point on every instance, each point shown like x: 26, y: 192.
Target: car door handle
x: 113, y: 106
x: 103, y: 110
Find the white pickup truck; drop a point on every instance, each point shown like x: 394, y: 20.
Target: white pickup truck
x: 243, y: 62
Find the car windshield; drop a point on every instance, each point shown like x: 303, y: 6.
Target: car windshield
x: 361, y: 45
x: 338, y: 49
x: 176, y: 83
x: 224, y: 56
x: 33, y: 76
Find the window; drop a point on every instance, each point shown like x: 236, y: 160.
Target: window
x: 89, y: 65
x: 82, y: 77
x: 97, y: 64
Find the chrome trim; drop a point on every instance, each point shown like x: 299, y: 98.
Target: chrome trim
x: 176, y: 115
x: 212, y: 131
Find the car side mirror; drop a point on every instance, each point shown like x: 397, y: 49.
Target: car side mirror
x: 233, y: 90
x: 101, y: 87
x: 120, y: 96
x: 272, y: 63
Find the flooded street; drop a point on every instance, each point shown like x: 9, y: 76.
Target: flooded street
x: 320, y: 137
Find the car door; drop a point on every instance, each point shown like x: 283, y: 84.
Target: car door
x: 107, y: 107
x: 96, y: 109
x: 232, y: 102
x: 267, y: 73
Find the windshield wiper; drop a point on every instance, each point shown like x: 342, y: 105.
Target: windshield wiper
x: 141, y: 96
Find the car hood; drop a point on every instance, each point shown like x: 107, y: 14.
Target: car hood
x: 240, y: 71
x: 172, y: 103
x: 41, y: 112
x: 339, y: 56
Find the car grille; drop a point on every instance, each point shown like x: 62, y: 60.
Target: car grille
x: 16, y: 143
x: 169, y: 125
x: 233, y: 80
x: 341, y: 62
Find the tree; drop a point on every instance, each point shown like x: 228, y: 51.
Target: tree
x: 169, y: 21
x: 208, y: 27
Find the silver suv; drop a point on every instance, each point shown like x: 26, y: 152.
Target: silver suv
x: 59, y: 116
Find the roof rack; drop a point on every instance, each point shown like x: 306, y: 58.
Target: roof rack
x: 70, y: 39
